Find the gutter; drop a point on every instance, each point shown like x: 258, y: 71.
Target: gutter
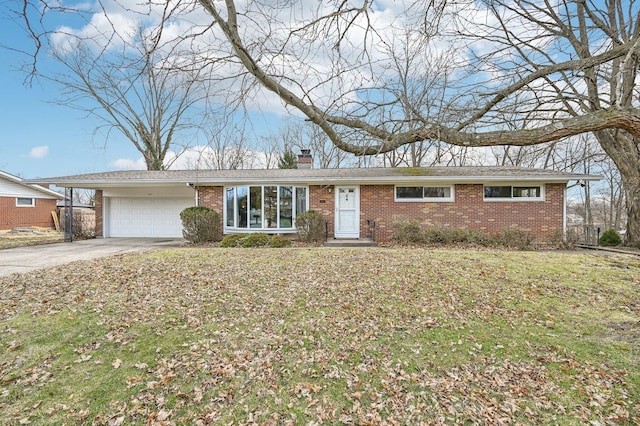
x: 324, y: 180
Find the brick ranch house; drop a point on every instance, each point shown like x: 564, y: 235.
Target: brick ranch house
x: 356, y: 203
x: 24, y: 205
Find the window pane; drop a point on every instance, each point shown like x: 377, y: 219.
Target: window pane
x: 408, y: 192
x: 24, y: 202
x: 255, y: 212
x: 242, y: 193
x: 437, y: 192
x: 230, y: 205
x: 526, y: 191
x: 270, y: 206
x: 497, y: 192
x: 286, y: 207
x: 301, y: 200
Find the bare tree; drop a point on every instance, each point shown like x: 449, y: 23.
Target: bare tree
x: 296, y: 135
x: 123, y: 73
x: 541, y: 52
x: 272, y: 148
x: 610, y: 197
x: 558, y: 69
x: 226, y: 147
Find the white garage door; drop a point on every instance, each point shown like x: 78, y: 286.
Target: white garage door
x: 146, y: 217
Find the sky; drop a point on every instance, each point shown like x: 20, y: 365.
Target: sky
x: 40, y: 138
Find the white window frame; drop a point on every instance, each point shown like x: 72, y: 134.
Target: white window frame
x: 512, y: 198
x: 449, y: 199
x: 249, y: 229
x: 33, y: 202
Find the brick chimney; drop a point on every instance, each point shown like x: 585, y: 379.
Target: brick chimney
x: 305, y: 160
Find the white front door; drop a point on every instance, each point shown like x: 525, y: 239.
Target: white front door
x: 347, y: 212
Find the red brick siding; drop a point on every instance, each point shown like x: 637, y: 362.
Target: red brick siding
x: 322, y: 199
x: 541, y: 219
x: 211, y: 197
x: 12, y: 216
x: 99, y: 214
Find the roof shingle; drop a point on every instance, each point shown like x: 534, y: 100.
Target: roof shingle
x: 325, y: 176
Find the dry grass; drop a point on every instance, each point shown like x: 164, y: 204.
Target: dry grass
x: 9, y: 239
x: 318, y: 336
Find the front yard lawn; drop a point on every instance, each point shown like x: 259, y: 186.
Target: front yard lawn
x: 323, y: 336
x: 20, y: 239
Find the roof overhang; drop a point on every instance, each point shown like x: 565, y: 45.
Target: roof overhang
x: 317, y: 177
x: 32, y: 185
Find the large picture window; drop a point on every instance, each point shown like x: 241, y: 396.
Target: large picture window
x: 424, y: 193
x: 268, y: 207
x: 515, y: 193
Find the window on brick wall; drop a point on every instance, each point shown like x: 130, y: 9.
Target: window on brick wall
x: 267, y: 208
x: 423, y: 193
x: 513, y: 193
x: 25, y: 202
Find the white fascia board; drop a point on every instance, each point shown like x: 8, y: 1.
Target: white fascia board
x: 319, y: 180
x: 129, y: 183
x: 48, y: 191
x: 390, y: 180
x: 16, y: 180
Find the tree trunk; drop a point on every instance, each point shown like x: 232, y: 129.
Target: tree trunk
x: 624, y: 150
x: 632, y: 193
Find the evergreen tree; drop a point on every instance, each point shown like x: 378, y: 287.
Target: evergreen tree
x: 288, y: 160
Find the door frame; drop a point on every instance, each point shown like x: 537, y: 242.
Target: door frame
x: 355, y: 233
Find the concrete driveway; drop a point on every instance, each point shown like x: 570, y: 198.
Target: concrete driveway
x: 31, y: 258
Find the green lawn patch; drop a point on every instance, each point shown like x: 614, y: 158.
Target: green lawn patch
x: 310, y: 335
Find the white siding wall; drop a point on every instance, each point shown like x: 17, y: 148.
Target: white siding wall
x: 12, y: 189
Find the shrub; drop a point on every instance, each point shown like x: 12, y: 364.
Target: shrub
x: 310, y: 226
x: 233, y: 240
x: 411, y: 232
x: 454, y: 236
x: 278, y: 241
x: 257, y: 239
x: 408, y: 232
x: 610, y: 238
x: 442, y: 235
x: 514, y: 238
x: 200, y: 224
x: 472, y: 236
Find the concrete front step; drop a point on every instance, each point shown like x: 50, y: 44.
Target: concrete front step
x: 350, y: 242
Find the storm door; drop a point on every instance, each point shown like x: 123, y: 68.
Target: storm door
x: 347, y: 224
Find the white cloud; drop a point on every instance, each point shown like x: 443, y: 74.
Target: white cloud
x: 129, y: 164
x: 335, y: 79
x: 101, y: 32
x: 39, y: 152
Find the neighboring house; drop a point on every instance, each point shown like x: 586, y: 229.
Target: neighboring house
x: 356, y: 203
x: 25, y: 204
